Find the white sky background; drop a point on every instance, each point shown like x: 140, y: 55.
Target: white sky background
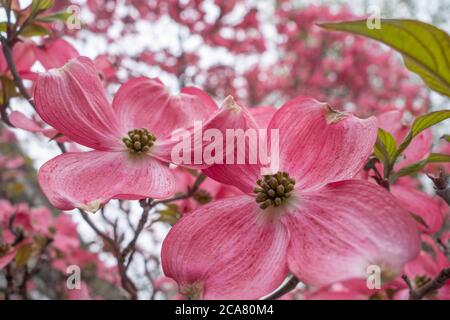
x: 164, y: 34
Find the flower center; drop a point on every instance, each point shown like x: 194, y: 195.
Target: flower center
x: 273, y: 190
x: 139, y: 140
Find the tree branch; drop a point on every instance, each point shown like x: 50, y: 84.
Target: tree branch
x: 201, y: 177
x: 430, y: 287
x: 441, y: 186
x: 7, y: 52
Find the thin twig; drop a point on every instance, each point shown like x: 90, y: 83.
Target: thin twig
x: 7, y: 52
x: 441, y: 186
x: 429, y: 287
x: 201, y: 177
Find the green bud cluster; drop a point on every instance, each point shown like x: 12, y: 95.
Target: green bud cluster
x: 139, y: 140
x: 273, y: 190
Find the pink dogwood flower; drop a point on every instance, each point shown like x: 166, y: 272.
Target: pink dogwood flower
x: 126, y: 162
x: 309, y: 218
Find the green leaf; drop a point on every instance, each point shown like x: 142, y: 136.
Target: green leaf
x: 417, y: 166
x: 8, y: 88
x: 420, y: 124
x: 385, y: 150
x: 23, y: 255
x: 40, y: 5
x: 425, y: 48
x: 3, y: 26
x: 33, y: 30
x: 169, y: 215
x: 58, y: 16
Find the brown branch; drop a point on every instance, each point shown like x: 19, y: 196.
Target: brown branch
x: 126, y: 282
x: 7, y: 52
x: 29, y: 274
x: 147, y: 206
x: 441, y: 186
x: 201, y: 177
x: 289, y: 285
x: 430, y: 287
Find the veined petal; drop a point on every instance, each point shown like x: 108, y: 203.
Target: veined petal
x: 73, y: 101
x: 88, y: 180
x: 319, y: 145
x: 226, y: 250
x: 230, y: 120
x: 146, y: 103
x: 340, y: 230
x: 231, y: 172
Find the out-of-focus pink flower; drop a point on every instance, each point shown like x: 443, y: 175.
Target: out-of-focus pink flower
x: 319, y: 225
x: 127, y: 161
x: 79, y: 294
x: 66, y: 237
x: 7, y: 254
x: 54, y: 53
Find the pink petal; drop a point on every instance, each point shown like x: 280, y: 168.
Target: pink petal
x: 263, y: 115
x: 23, y: 55
x: 73, y: 101
x: 392, y: 122
x: 206, y: 100
x: 421, y: 204
x: 242, y: 176
x: 229, y: 116
x: 418, y: 150
x: 146, y: 103
x: 90, y: 179
x: 55, y: 53
x: 21, y: 121
x: 319, y: 145
x: 343, y: 228
x: 227, y: 250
